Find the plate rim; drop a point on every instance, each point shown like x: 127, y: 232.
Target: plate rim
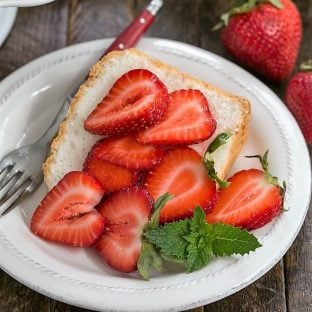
x: 256, y: 276
x: 24, y: 3
x: 8, y: 21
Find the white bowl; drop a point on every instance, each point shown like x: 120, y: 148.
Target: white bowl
x: 22, y: 3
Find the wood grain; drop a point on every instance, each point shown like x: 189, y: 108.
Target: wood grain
x: 97, y: 19
x: 36, y: 32
x: 177, y: 21
x: 288, y: 286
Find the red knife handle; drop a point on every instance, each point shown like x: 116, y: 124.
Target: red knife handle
x: 130, y: 36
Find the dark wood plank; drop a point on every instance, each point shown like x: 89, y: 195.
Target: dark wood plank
x: 43, y: 29
x: 36, y: 32
x: 298, y: 268
x: 177, y: 21
x: 97, y: 19
x: 298, y: 265
x: 266, y: 294
x: 17, y: 297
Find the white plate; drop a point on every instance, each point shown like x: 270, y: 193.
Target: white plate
x: 7, y: 18
x: 77, y: 276
x: 23, y: 3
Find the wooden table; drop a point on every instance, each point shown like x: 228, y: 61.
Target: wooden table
x: 288, y: 286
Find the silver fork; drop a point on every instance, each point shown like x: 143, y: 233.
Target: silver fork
x: 20, y: 170
x: 20, y: 173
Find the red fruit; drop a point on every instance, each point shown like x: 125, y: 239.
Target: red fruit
x: 182, y: 174
x: 186, y: 121
x: 126, y: 212
x: 299, y: 101
x: 112, y: 177
x: 128, y: 153
x: 66, y: 214
x: 136, y: 101
x: 249, y: 202
x: 265, y: 39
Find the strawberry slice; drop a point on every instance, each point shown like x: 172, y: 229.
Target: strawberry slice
x: 126, y: 212
x: 182, y: 174
x: 129, y: 153
x: 112, y: 177
x: 66, y: 214
x: 252, y: 200
x: 136, y: 101
x: 186, y: 121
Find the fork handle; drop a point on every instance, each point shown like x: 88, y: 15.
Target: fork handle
x: 128, y: 38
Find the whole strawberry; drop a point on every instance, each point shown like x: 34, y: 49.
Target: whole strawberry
x: 299, y: 99
x: 264, y: 36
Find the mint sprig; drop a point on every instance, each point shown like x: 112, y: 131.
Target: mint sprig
x: 194, y: 242
x: 220, y: 140
x: 149, y: 257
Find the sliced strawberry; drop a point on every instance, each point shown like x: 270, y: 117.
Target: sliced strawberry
x: 129, y: 153
x: 136, y: 101
x: 112, y: 177
x: 126, y: 212
x: 186, y: 121
x: 67, y: 215
x: 182, y: 174
x: 249, y: 202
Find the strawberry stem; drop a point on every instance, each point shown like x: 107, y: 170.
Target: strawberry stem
x: 241, y: 8
x: 268, y: 176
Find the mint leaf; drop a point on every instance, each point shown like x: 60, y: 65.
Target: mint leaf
x: 149, y: 258
x: 169, y: 239
x: 199, y: 252
x: 229, y: 240
x: 159, y: 204
x: 193, y: 242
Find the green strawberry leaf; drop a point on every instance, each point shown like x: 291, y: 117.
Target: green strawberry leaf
x: 277, y: 3
x: 243, y: 7
x: 221, y: 139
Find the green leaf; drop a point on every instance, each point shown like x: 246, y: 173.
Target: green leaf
x: 198, y: 220
x: 199, y: 252
x: 169, y: 239
x: 241, y: 8
x: 230, y: 240
x: 221, y: 139
x: 265, y: 166
x: 277, y: 3
x: 199, y: 249
x: 149, y: 258
x: 159, y: 204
